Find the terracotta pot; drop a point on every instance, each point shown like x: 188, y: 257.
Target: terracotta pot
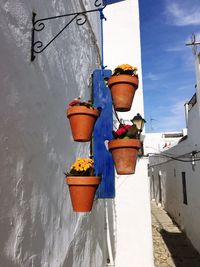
x: 123, y: 89
x: 82, y: 191
x: 82, y: 120
x: 124, y: 152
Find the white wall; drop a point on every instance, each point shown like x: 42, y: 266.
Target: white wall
x: 170, y: 171
x: 157, y: 142
x: 37, y: 225
x: 133, y: 229
x: 122, y: 44
x: 133, y: 237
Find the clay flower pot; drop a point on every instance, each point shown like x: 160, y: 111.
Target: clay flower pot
x: 82, y: 120
x: 123, y: 89
x: 82, y: 191
x: 124, y: 152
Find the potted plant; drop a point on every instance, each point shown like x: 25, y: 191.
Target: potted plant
x: 82, y: 117
x: 124, y: 148
x: 82, y: 184
x: 123, y: 84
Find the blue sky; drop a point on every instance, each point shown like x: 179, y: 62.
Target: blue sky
x: 167, y: 64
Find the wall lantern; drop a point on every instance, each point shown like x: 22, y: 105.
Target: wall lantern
x: 139, y: 122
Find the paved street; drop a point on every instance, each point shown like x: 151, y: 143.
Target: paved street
x: 171, y: 246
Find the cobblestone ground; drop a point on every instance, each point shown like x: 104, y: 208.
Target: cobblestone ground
x: 171, y: 246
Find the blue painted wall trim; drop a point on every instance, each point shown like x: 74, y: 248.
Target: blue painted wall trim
x: 103, y: 161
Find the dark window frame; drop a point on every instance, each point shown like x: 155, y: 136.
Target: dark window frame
x: 184, y: 188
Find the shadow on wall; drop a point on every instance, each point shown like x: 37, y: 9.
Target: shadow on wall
x: 89, y: 245
x: 87, y: 239
x: 112, y: 230
x: 181, y: 249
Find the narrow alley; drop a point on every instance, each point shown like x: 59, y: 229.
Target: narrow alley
x: 171, y: 246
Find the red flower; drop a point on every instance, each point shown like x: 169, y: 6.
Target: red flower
x: 74, y: 102
x: 120, y: 131
x: 123, y: 129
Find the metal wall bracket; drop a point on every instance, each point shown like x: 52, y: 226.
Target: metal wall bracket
x: 38, y: 25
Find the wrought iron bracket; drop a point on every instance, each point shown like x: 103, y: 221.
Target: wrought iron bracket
x: 38, y: 25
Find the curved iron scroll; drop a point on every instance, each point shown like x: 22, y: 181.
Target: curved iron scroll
x: 39, y: 25
x: 38, y: 46
x: 97, y: 3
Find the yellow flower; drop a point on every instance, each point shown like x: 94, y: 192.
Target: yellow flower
x: 82, y: 164
x: 126, y: 67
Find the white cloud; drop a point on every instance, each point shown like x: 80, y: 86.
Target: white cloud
x: 178, y: 108
x: 172, y: 120
x: 184, y: 88
x: 183, y: 15
x: 176, y: 48
x: 153, y: 77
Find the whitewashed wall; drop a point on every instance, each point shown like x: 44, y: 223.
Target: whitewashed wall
x: 157, y: 142
x: 170, y: 172
x: 122, y: 44
x: 37, y: 225
x: 133, y: 236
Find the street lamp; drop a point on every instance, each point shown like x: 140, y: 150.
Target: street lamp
x: 139, y: 122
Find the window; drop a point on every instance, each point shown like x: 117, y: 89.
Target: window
x: 153, y: 186
x: 160, y: 188
x: 184, y: 188
x: 174, y: 172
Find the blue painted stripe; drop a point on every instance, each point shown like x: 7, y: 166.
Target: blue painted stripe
x: 103, y: 161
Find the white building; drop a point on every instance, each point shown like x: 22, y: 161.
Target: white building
x: 157, y: 142
x: 132, y: 206
x: 37, y: 224
x: 175, y: 173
